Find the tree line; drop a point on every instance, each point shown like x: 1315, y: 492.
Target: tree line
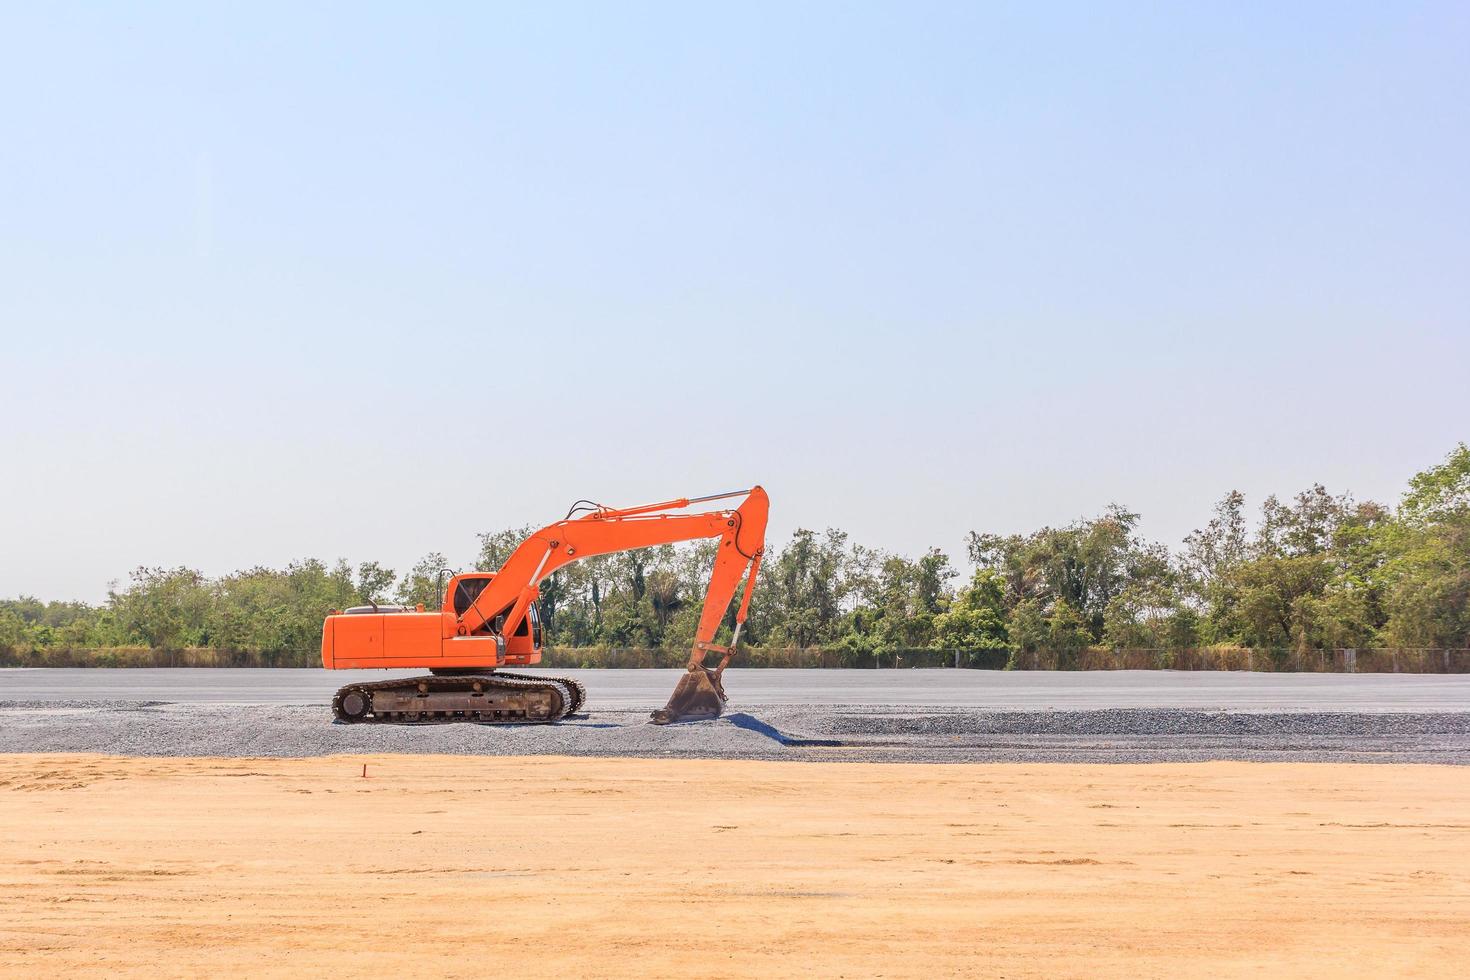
x: 1314, y: 571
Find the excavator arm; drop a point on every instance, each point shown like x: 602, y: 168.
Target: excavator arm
x: 503, y: 603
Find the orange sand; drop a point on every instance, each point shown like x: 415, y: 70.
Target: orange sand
x: 450, y: 866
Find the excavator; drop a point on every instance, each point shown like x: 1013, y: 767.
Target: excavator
x: 489, y: 620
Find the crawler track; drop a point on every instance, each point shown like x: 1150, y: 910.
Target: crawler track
x: 489, y: 698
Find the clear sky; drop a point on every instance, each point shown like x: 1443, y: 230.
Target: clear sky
x: 281, y: 281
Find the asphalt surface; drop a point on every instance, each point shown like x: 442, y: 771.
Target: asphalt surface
x: 974, y: 689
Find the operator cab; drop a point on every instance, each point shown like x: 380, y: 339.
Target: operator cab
x: 523, y: 646
x: 465, y: 589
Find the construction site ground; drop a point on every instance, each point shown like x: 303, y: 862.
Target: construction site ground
x: 803, y: 715
x: 548, y: 866
x: 164, y: 823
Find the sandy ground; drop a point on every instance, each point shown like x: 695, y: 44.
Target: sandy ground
x: 457, y: 866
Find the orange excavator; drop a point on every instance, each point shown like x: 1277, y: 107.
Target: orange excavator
x: 489, y: 620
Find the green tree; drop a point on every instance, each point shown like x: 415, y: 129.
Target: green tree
x: 163, y: 608
x: 1086, y: 565
x: 424, y: 582
x: 1426, y: 575
x: 1151, y: 610
x: 277, y: 612
x: 807, y: 586
x: 497, y: 546
x: 1028, y: 626
x: 976, y: 619
x: 28, y: 623
x: 374, y: 582
x: 1067, y: 631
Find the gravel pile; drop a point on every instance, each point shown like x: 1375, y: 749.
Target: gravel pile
x: 793, y: 732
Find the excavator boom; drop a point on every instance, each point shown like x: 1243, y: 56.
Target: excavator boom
x: 477, y: 624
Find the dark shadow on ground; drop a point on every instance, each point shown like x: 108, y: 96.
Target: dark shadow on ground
x: 752, y: 724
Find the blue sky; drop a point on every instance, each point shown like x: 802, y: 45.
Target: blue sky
x: 363, y: 281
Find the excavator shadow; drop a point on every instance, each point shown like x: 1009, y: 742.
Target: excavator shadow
x: 750, y: 723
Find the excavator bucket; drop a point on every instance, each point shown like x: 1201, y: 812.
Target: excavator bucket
x: 699, y: 694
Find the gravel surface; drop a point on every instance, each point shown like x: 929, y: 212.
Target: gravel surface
x: 794, y: 732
